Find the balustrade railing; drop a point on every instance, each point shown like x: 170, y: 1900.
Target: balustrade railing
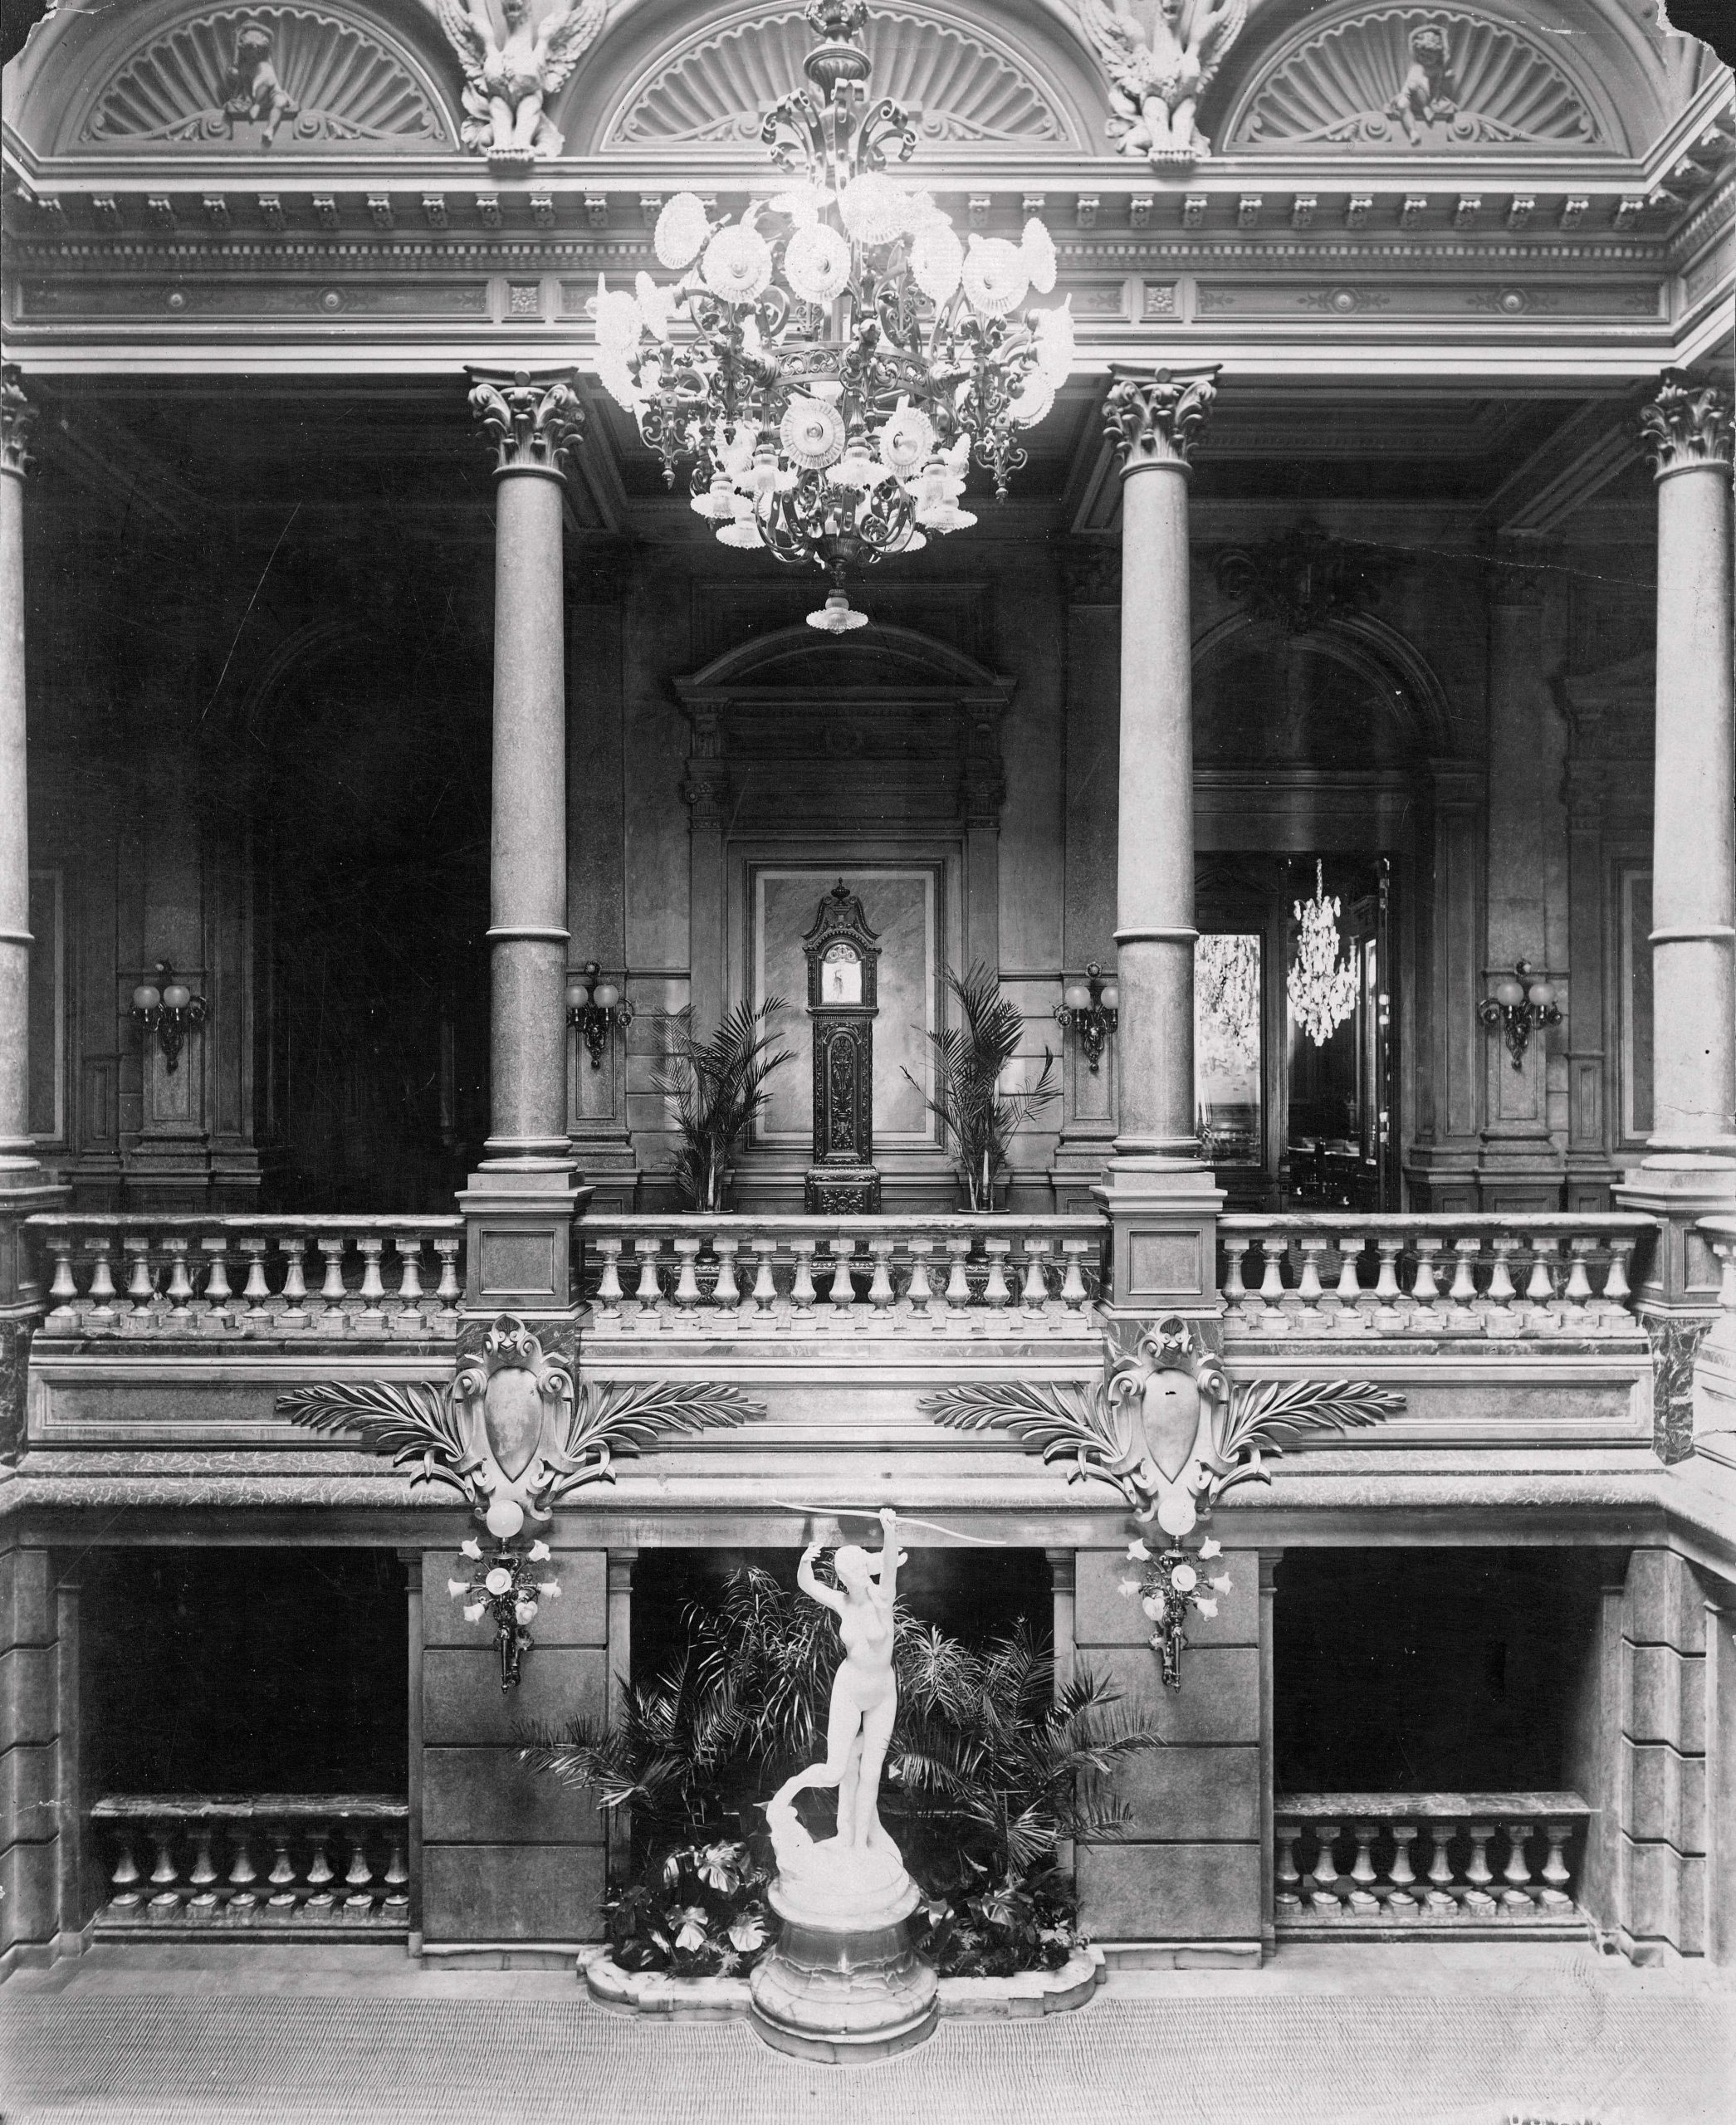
x: 263, y: 1861
x: 1419, y: 1861
x: 1440, y: 1275
x: 963, y: 1274
x: 128, y: 1274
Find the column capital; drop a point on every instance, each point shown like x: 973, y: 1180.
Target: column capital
x: 1155, y: 417
x: 1687, y: 425
x: 532, y: 416
x: 17, y: 415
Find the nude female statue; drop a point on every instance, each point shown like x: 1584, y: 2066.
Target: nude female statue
x: 865, y: 1692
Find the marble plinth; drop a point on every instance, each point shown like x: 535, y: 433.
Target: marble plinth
x: 844, y: 1982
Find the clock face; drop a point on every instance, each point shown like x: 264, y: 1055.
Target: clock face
x: 840, y: 975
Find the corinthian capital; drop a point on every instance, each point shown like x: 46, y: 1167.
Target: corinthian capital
x: 15, y: 415
x: 1687, y: 424
x: 1156, y: 416
x: 531, y: 419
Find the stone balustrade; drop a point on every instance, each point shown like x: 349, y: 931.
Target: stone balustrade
x: 1350, y: 1275
x: 129, y: 1275
x: 911, y: 1276
x: 1420, y: 1862
x: 176, y: 1862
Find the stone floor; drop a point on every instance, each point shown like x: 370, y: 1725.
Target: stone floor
x: 360, y: 2035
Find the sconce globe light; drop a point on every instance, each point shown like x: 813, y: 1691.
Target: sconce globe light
x: 593, y: 1006
x: 168, y: 1008
x: 1091, y: 1008
x: 1520, y: 1004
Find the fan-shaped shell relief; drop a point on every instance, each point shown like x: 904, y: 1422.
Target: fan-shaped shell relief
x: 277, y: 77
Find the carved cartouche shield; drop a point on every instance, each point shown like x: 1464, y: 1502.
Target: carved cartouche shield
x: 514, y: 1401
x: 1170, y: 1395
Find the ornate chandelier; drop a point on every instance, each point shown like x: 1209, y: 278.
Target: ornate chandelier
x: 828, y: 365
x: 1322, y: 988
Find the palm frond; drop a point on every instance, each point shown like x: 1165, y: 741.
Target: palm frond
x: 979, y: 1116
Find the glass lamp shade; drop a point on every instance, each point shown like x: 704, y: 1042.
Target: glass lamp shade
x: 577, y: 995
x: 176, y: 996
x: 1110, y: 997
x: 1076, y: 996
x: 606, y: 994
x: 1509, y: 992
x: 146, y: 998
x: 1542, y: 994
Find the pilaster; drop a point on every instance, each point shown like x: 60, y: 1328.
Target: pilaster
x: 705, y: 791
x: 1441, y: 1163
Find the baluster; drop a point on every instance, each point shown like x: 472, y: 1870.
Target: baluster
x: 958, y: 1284
x: 802, y: 1293
x: 1516, y: 1898
x: 880, y: 1284
x: 1349, y: 1288
x: 1477, y: 1899
x: 1616, y: 1290
x: 1035, y: 1292
x: 255, y: 1290
x: 372, y: 1317
x: 1552, y: 1896
x: 1324, y: 1898
x: 1440, y: 1902
x: 282, y: 1875
x: 1388, y: 1247
x: 178, y: 1291
x: 406, y: 1246
x: 1503, y: 1244
x: 1400, y: 1903
x: 1288, y: 1879
x: 995, y: 1291
x: 242, y: 1873
x: 650, y: 1285
x: 919, y: 1291
x: 165, y: 1875
x: 1579, y: 1284
x: 1073, y: 1293
x: 686, y: 1270
x: 446, y: 1247
x: 765, y: 1292
x: 1464, y: 1292
x: 1271, y: 1245
x: 123, y: 1891
x: 396, y: 1908
x: 609, y: 1284
x: 1364, y: 1903
x: 358, y: 1879
x: 319, y: 1870
x: 217, y: 1293
x: 1308, y: 1287
x: 141, y: 1283
x: 726, y: 1292
x: 100, y: 1315
x: 204, y: 1902
x: 332, y: 1245
x: 1235, y: 1247
x: 1425, y: 1287
x: 844, y: 1289
x: 1540, y: 1291
x: 293, y: 1247
x: 63, y: 1290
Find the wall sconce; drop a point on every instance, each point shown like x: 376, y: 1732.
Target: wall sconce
x: 167, y: 1007
x: 1520, y: 1006
x: 593, y: 1006
x: 1090, y: 1009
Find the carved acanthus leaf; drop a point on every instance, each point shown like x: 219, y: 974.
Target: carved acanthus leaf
x: 1687, y: 423
x: 532, y: 420
x: 1419, y: 77
x: 956, y: 84
x: 191, y: 85
x: 1157, y: 419
x: 17, y: 415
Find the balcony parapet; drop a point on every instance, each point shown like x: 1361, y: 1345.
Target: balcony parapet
x: 249, y: 1278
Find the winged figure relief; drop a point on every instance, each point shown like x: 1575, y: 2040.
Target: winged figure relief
x: 509, y: 80
x: 1161, y: 59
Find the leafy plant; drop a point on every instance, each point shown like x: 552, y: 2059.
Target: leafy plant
x: 718, y: 1086
x: 979, y: 1118
x: 989, y: 1771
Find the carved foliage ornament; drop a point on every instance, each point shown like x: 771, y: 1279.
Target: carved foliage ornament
x: 253, y: 74
x: 531, y: 420
x: 513, y: 66
x: 1687, y: 424
x: 1160, y: 56
x: 1425, y: 78
x: 17, y: 414
x: 1305, y: 579
x: 1166, y: 1426
x: 1156, y: 419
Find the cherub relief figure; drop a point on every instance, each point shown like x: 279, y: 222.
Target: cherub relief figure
x: 254, y: 91
x: 508, y: 81
x: 1158, y: 74
x: 1422, y: 95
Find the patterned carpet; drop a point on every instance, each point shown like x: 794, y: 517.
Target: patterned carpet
x: 1570, y: 2054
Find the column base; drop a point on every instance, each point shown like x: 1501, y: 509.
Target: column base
x: 1162, y: 1217
x: 518, y: 1238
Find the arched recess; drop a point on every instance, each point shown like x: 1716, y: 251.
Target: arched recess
x: 1329, y: 745
x: 1015, y: 81
x: 875, y: 757
x: 154, y: 80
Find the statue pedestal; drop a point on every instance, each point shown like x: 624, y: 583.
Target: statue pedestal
x: 844, y: 1982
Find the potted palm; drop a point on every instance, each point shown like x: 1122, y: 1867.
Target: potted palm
x: 979, y: 1116
x: 718, y: 1086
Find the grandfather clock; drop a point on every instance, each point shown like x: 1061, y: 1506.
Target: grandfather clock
x: 843, y: 959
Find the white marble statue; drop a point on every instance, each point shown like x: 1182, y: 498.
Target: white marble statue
x: 1158, y: 69
x: 864, y: 1704
x: 509, y: 81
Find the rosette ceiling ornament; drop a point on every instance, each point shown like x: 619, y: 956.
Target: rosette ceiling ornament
x: 828, y: 365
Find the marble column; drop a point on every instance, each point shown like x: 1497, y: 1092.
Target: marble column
x: 1690, y: 1169
x: 520, y: 1202
x: 1161, y: 1200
